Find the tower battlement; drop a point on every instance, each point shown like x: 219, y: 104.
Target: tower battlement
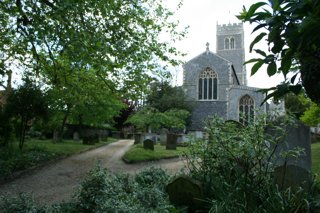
x: 233, y: 28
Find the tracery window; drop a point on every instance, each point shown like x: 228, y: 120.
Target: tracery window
x: 246, y: 109
x: 226, y: 43
x: 232, y: 43
x: 208, y: 85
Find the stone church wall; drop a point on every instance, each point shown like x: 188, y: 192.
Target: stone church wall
x: 204, y: 110
x: 235, y: 93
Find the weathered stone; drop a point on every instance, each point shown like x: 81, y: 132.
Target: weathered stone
x: 292, y: 176
x: 137, y: 138
x: 148, y: 144
x: 91, y: 139
x: 76, y: 136
x: 151, y: 136
x: 171, y: 141
x: 184, y: 190
x: 295, y: 170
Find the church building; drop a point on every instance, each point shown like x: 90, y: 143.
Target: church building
x: 216, y: 83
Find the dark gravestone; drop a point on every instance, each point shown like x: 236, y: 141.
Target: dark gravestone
x: 137, y: 138
x: 148, y: 144
x: 90, y: 139
x: 171, y: 142
x: 186, y: 191
x: 292, y: 171
x: 292, y: 176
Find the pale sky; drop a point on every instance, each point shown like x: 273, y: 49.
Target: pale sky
x: 202, y: 16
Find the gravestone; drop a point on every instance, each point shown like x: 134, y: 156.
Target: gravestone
x: 171, y: 141
x: 163, y: 136
x: 184, y: 190
x: 137, y: 138
x: 148, y: 144
x: 151, y: 136
x: 76, y: 136
x: 293, y: 171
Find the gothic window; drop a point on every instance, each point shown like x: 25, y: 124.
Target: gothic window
x: 232, y: 43
x: 246, y: 110
x: 208, y: 85
x: 226, y: 43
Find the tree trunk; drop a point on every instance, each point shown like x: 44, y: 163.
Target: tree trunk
x: 60, y: 134
x: 24, y: 122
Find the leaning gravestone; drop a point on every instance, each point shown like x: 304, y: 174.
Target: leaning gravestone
x: 186, y: 191
x: 293, y: 171
x: 148, y: 144
x: 171, y: 142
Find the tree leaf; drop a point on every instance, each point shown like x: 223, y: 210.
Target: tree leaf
x: 256, y: 40
x: 252, y: 60
x: 254, y: 7
x: 272, y: 68
x: 256, y: 66
x: 260, y: 52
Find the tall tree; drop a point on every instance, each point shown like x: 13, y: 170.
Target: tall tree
x: 291, y: 30
x: 119, y: 39
x: 162, y: 96
x: 27, y: 103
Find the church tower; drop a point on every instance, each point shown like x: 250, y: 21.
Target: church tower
x: 230, y: 45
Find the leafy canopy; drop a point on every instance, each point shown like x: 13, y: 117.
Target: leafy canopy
x: 290, y: 29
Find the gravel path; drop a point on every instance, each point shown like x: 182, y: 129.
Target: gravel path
x: 56, y: 182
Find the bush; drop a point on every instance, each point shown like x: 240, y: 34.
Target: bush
x: 23, y: 203
x: 102, y: 191
x: 236, y: 168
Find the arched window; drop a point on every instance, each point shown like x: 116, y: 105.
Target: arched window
x: 208, y: 85
x: 246, y: 109
x: 232, y: 43
x: 226, y: 43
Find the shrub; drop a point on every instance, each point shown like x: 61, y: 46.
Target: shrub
x: 236, y: 168
x: 103, y: 191
x: 23, y: 203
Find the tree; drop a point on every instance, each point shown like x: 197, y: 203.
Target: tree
x: 147, y: 117
x: 296, y: 104
x: 27, y: 103
x: 163, y: 97
x: 119, y: 39
x: 291, y: 31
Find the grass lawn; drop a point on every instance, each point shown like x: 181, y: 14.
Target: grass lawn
x: 66, y: 147
x: 315, y: 154
x: 138, y: 154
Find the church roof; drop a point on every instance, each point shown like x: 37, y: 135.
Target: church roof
x: 207, y: 53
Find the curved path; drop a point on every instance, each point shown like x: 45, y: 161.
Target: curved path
x: 56, y: 182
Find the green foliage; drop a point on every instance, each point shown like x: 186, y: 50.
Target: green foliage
x: 236, y: 167
x: 163, y: 97
x: 150, y: 117
x: 289, y: 28
x: 21, y: 204
x: 26, y: 103
x: 312, y: 115
x: 102, y: 191
x: 138, y: 154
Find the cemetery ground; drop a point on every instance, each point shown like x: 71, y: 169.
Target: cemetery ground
x: 57, y: 181
x: 36, y: 152
x: 138, y: 154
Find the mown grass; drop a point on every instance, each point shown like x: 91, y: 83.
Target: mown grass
x: 138, y: 154
x: 66, y: 147
x: 36, y: 152
x: 315, y: 155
